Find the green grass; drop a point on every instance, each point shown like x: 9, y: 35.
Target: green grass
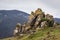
x: 40, y: 34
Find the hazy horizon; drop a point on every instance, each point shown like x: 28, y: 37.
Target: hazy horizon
x: 48, y: 6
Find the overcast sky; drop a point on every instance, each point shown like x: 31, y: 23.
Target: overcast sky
x: 48, y: 6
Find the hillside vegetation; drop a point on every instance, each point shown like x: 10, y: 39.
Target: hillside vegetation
x: 47, y: 34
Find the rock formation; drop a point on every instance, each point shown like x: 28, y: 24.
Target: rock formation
x: 37, y: 19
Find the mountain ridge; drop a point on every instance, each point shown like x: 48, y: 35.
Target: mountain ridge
x: 9, y: 19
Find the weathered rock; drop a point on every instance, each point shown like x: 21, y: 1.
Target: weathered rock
x: 31, y: 18
x: 43, y: 24
x: 17, y: 29
x: 55, y: 24
x: 32, y: 13
x: 48, y: 16
x: 38, y: 11
x: 28, y: 27
x: 24, y: 28
x: 38, y: 20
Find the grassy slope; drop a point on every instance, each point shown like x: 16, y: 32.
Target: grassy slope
x: 54, y: 34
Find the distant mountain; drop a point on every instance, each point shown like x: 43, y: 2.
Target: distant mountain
x: 9, y: 19
x: 57, y: 20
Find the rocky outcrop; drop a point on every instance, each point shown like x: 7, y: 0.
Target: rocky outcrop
x: 37, y: 19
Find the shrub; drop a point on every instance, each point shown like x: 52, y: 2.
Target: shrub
x: 50, y: 23
x: 44, y: 19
